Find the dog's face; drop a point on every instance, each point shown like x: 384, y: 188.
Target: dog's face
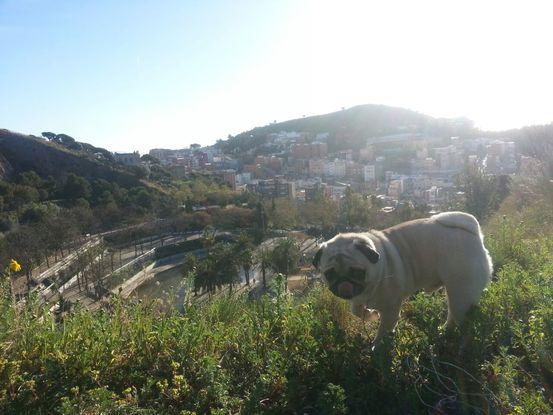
x: 346, y: 262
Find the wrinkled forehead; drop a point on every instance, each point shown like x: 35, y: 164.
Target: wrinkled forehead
x: 341, y: 254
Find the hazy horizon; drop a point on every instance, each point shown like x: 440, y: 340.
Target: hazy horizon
x: 134, y: 75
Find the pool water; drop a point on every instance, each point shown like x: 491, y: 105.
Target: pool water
x: 167, y: 285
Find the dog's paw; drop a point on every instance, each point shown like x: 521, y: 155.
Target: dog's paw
x: 371, y: 315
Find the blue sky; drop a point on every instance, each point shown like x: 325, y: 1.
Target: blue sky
x: 137, y: 74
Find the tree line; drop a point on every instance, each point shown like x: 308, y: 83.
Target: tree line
x: 224, y: 259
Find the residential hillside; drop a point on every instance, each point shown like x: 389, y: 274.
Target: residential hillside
x: 349, y: 128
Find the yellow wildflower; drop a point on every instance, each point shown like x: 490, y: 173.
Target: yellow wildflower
x: 14, y: 266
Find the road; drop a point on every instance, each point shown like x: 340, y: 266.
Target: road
x: 71, y: 290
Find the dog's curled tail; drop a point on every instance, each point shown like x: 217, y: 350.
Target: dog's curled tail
x: 459, y: 220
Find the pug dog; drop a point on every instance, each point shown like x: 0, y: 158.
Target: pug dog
x: 377, y: 270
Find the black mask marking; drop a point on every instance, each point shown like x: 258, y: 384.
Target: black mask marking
x: 317, y: 258
x: 369, y: 253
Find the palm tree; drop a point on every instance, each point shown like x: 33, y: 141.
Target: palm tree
x: 207, y: 280
x: 247, y: 263
x: 228, y: 266
x: 243, y: 252
x: 218, y: 269
x: 263, y: 258
x: 208, y: 237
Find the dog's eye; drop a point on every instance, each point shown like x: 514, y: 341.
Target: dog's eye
x: 357, y: 273
x: 330, y: 274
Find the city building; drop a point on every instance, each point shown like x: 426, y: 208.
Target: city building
x: 243, y: 178
x: 354, y: 170
x: 316, y: 167
x: 339, y: 168
x: 275, y: 188
x: 369, y: 173
x: 313, y: 190
x: 434, y: 195
x: 337, y: 192
x: 308, y: 150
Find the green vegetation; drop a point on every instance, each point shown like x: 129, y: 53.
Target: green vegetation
x: 483, y: 193
x: 282, y: 353
x: 55, y: 191
x: 291, y: 354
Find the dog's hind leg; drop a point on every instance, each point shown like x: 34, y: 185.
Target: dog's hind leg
x: 461, y: 297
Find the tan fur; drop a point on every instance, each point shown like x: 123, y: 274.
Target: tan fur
x: 444, y: 250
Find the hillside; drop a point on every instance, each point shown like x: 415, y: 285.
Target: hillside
x: 535, y: 141
x: 350, y: 127
x: 69, y: 188
x: 48, y: 158
x: 301, y: 354
x: 5, y: 168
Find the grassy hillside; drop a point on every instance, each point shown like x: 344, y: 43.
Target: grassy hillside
x: 535, y: 141
x: 49, y: 158
x: 52, y: 192
x: 289, y: 354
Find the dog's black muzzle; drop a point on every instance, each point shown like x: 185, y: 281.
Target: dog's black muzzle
x: 346, y: 286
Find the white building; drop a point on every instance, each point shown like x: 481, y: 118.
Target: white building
x: 336, y: 168
x: 339, y: 168
x: 244, y: 178
x: 369, y: 173
x: 433, y: 195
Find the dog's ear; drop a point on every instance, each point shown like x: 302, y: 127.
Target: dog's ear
x: 368, y: 251
x: 317, y: 257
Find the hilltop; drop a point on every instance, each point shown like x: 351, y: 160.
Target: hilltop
x: 349, y: 128
x: 20, y: 153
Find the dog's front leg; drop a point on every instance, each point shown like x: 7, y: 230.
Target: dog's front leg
x: 388, y: 319
x: 360, y: 310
